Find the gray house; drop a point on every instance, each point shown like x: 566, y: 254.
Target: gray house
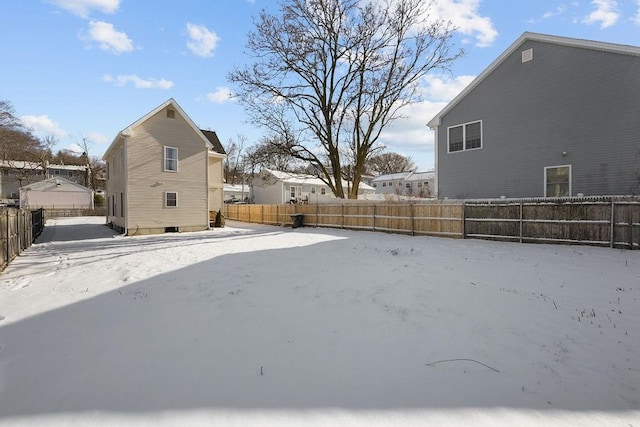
x: 552, y: 116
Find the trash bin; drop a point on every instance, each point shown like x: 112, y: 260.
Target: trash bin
x: 297, y: 220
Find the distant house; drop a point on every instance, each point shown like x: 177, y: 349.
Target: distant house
x: 277, y: 187
x: 164, y: 174
x: 56, y: 193
x: 551, y: 116
x: 15, y: 174
x: 236, y: 193
x: 411, y: 183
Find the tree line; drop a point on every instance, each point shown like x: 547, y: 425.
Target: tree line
x: 19, y: 145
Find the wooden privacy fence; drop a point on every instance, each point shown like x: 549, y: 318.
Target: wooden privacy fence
x: 602, y: 221
x: 434, y: 219
x: 15, y: 233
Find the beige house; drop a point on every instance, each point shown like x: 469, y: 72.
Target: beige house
x: 164, y: 174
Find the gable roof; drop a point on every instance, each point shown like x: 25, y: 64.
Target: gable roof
x: 213, y: 139
x: 56, y: 184
x: 170, y: 102
x: 545, y: 38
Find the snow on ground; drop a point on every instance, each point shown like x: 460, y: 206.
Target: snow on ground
x: 258, y: 325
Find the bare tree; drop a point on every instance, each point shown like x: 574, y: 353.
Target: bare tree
x: 16, y: 141
x: 390, y: 163
x: 94, y: 165
x: 270, y: 153
x: 329, y: 75
x: 233, y: 167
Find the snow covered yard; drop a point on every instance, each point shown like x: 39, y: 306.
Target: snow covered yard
x: 258, y: 325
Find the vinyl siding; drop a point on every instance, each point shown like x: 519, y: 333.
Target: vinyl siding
x: 568, y: 106
x: 115, y: 184
x: 147, y: 180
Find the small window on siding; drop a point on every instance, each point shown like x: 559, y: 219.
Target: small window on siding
x: 467, y: 136
x: 170, y: 159
x: 557, y: 181
x: 527, y: 55
x: 170, y: 199
x: 323, y: 191
x: 407, y: 185
x: 171, y: 114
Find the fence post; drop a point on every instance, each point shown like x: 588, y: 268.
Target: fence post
x: 464, y: 220
x: 613, y: 204
x: 262, y: 214
x: 413, y: 225
x: 630, y: 226
x: 8, y: 237
x: 374, y: 217
x: 520, y: 220
x: 342, y: 213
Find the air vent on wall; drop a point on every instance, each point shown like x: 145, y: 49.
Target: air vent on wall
x: 527, y: 55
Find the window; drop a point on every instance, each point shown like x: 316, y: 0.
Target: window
x: 557, y: 181
x: 56, y: 173
x: 292, y: 192
x: 464, y: 137
x: 171, y: 114
x: 419, y: 184
x: 313, y: 190
x: 375, y: 185
x: 122, y: 205
x: 70, y: 173
x: 407, y: 185
x: 384, y: 184
x: 170, y: 159
x: 323, y: 191
x: 170, y: 199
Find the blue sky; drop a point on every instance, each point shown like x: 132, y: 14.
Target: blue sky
x: 89, y: 68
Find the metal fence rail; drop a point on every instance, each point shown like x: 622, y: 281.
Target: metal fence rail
x: 15, y: 233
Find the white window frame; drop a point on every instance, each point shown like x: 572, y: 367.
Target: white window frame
x: 292, y: 192
x: 557, y: 167
x: 323, y: 191
x: 464, y: 137
x: 166, y: 194
x: 165, y: 158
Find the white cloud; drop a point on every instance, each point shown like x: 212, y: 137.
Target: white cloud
x: 221, y: 95
x: 606, y: 13
x: 138, y: 82
x: 75, y: 148
x: 202, y: 42
x: 96, y: 137
x: 107, y: 37
x: 43, y: 126
x: 465, y: 15
x: 83, y: 8
x: 441, y: 88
